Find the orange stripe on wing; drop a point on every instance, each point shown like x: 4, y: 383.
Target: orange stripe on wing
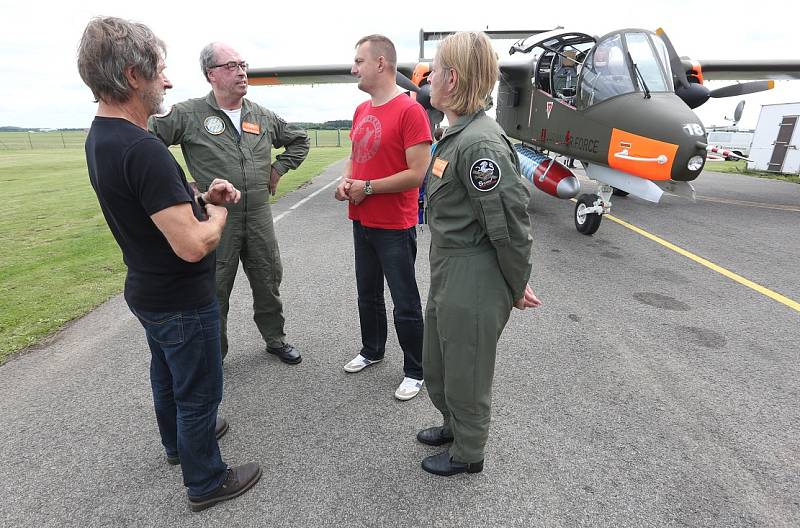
x: 263, y: 81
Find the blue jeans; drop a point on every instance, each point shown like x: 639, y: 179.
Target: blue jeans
x: 388, y: 253
x: 186, y: 378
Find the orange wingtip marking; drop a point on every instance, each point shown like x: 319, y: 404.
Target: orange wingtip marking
x: 644, y: 148
x: 264, y: 81
x: 771, y: 84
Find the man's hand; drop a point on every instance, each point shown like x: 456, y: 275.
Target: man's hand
x: 529, y: 300
x: 274, y: 178
x: 216, y: 213
x: 356, y: 190
x: 341, y: 191
x: 222, y: 192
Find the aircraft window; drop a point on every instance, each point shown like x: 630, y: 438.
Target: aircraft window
x: 651, y: 68
x: 605, y: 73
x: 565, y: 76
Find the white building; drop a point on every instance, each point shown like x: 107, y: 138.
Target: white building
x: 776, y: 139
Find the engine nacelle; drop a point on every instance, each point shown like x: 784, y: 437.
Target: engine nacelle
x: 547, y: 174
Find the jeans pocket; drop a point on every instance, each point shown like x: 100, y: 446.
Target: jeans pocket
x: 165, y: 328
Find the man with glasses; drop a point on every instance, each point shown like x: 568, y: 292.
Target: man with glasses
x: 226, y: 135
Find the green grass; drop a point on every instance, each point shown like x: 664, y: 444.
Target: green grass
x: 740, y: 167
x: 58, y: 259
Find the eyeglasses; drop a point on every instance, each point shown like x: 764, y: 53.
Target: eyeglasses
x: 231, y: 65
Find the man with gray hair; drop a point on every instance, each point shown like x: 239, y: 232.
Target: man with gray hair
x: 167, y: 235
x: 226, y: 134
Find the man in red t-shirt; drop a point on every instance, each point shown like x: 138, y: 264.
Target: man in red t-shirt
x: 391, y: 151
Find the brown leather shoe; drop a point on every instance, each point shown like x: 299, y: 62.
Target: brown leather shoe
x: 220, y: 429
x: 442, y: 464
x: 239, y: 479
x: 286, y: 353
x: 434, y: 436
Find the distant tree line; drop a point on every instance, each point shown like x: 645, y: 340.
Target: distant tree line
x: 328, y: 125
x: 33, y: 129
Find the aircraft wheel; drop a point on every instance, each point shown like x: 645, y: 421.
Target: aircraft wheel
x: 586, y: 223
x: 619, y: 192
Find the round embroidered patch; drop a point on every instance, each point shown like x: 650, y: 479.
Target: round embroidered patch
x: 214, y: 125
x: 485, y: 174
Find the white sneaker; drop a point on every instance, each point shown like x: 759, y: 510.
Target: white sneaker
x: 408, y: 389
x: 359, y: 363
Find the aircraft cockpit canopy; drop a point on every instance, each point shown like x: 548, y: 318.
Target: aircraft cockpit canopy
x: 624, y: 62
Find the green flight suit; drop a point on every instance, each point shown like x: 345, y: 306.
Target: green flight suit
x: 480, y: 261
x: 213, y: 148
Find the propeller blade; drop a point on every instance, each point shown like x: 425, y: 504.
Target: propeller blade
x: 405, y: 83
x: 675, y: 63
x: 743, y: 88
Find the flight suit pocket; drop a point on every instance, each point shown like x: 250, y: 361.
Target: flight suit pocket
x: 494, y: 218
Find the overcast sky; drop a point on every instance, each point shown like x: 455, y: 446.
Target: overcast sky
x: 41, y: 86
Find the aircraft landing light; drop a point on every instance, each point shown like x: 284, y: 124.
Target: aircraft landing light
x: 794, y: 305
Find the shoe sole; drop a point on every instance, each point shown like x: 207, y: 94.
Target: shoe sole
x: 405, y: 398
x: 202, y: 505
x: 468, y: 470
x: 353, y: 370
x: 287, y: 361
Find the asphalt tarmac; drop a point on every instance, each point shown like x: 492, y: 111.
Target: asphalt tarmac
x: 649, y: 390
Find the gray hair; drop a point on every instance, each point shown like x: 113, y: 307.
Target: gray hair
x: 207, y: 58
x: 108, y: 47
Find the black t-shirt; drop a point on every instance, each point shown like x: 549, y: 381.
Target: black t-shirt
x: 135, y: 176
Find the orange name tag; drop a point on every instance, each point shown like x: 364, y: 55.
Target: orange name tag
x: 252, y: 128
x: 439, y: 165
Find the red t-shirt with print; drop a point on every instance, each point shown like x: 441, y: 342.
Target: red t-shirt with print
x: 380, y: 137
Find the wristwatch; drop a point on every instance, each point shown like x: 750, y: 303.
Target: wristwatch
x: 368, y: 187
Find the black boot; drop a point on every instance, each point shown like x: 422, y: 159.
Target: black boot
x: 442, y: 464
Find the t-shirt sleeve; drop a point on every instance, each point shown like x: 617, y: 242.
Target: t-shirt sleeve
x: 154, y: 176
x: 416, y: 128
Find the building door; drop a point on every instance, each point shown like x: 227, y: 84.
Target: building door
x: 785, y: 131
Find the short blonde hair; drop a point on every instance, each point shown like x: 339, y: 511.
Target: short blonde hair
x: 469, y: 53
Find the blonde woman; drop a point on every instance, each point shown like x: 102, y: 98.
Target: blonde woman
x: 480, y: 252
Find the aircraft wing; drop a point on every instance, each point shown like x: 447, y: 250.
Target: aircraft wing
x: 328, y: 74
x: 745, y: 70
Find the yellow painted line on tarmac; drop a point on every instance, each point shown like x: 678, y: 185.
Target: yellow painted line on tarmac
x: 710, y: 265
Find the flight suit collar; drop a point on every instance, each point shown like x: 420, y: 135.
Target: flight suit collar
x: 463, y: 121
x: 212, y: 102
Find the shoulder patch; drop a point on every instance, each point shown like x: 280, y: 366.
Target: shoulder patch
x: 214, y: 125
x: 484, y: 174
